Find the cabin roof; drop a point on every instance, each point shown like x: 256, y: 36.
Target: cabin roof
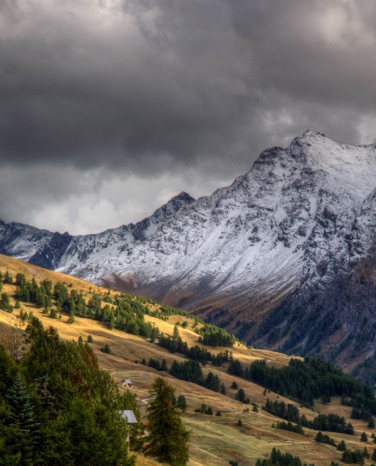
x: 129, y: 416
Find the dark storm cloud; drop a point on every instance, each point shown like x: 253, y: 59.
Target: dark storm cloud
x: 315, y: 51
x: 169, y: 78
x: 151, y: 87
x: 117, y: 92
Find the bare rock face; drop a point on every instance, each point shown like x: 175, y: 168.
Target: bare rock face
x: 285, y: 256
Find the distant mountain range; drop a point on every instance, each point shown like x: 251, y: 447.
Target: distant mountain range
x: 285, y: 257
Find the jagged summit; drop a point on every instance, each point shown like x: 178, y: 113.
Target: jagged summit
x: 271, y: 257
x: 183, y: 196
x: 349, y: 168
x: 174, y: 205
x: 312, y: 133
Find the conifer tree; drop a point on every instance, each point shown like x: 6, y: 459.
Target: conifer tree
x: 8, y: 278
x: 240, y: 396
x: 182, y: 402
x: 7, y: 370
x: 341, y: 446
x: 168, y: 439
x: 106, y: 349
x: 5, y: 302
x: 176, y: 333
x: 23, y: 421
x: 111, y: 324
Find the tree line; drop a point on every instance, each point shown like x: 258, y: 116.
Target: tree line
x: 215, y: 336
x: 305, y: 380
x: 120, y: 311
x: 191, y: 371
x: 175, y: 344
x: 278, y: 458
x: 325, y: 422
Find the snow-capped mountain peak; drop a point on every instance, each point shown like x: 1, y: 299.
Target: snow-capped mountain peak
x: 276, y: 240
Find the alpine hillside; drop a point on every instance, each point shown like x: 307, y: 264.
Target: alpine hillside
x: 285, y: 257
x: 240, y: 404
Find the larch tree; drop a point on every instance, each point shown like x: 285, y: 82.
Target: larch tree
x: 167, y: 439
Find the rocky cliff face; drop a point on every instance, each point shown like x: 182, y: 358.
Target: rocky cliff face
x: 285, y: 256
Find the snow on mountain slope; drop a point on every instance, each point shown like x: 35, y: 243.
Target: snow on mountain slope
x: 258, y: 257
x: 280, y: 220
x: 347, y: 167
x: 22, y: 241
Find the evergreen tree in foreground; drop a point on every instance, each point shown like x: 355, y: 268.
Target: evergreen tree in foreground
x: 58, y: 408
x: 25, y: 432
x: 168, y: 439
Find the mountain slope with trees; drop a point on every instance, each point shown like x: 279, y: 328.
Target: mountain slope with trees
x: 239, y: 429
x: 284, y: 258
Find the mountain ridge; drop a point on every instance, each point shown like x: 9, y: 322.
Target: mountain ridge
x: 274, y: 257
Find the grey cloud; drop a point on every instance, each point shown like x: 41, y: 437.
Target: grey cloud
x: 157, y: 88
x: 81, y: 99
x: 314, y: 51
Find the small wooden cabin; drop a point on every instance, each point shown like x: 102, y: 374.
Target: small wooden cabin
x: 126, y: 383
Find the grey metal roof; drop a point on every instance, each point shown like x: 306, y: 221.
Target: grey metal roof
x: 129, y: 416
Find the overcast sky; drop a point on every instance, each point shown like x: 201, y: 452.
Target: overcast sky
x: 108, y: 108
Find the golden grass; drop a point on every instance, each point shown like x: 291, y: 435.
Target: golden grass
x: 214, y: 439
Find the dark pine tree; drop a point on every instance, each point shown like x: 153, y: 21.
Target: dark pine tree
x: 182, y: 402
x: 22, y: 419
x: 168, y: 439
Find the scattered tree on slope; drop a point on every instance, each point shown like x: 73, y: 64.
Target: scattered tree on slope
x: 167, y: 439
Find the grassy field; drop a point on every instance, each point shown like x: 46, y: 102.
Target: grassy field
x: 215, y: 440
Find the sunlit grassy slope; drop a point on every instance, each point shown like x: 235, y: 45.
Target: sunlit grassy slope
x: 215, y: 440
